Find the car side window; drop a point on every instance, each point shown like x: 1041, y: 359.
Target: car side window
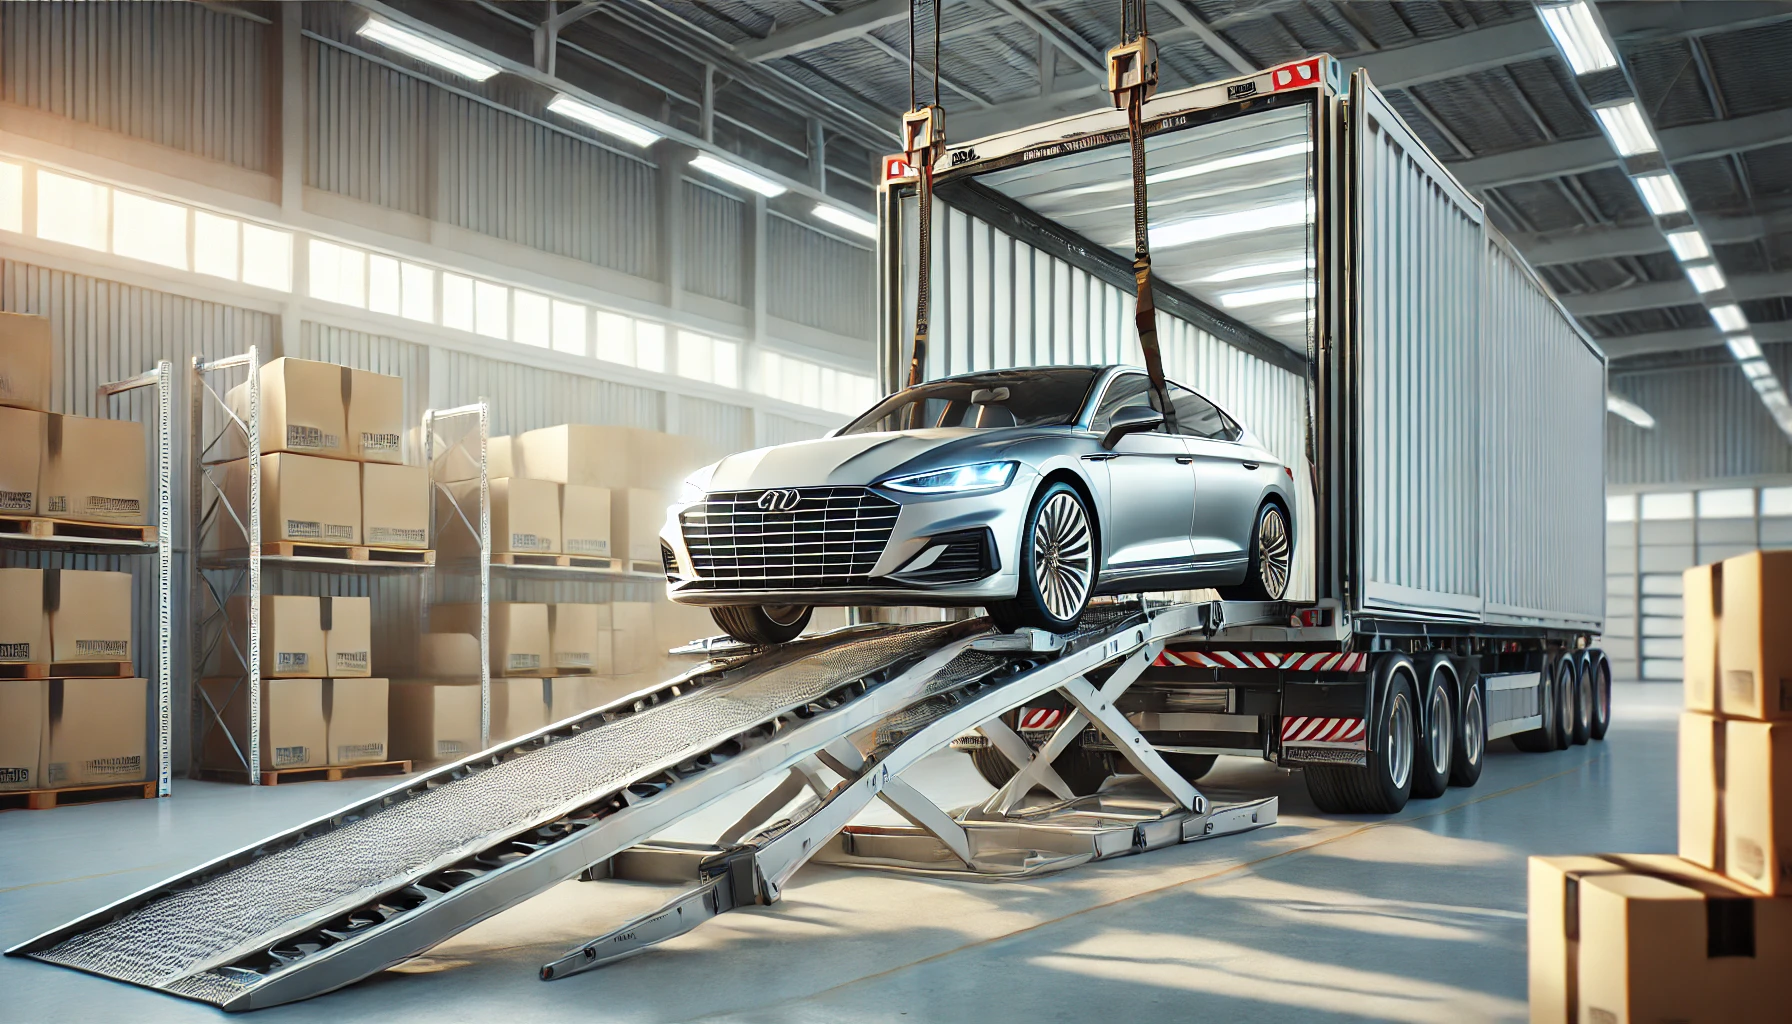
x: 1196, y: 416
x: 1124, y: 391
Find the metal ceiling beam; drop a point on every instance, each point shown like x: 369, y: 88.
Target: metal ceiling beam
x: 1209, y: 38
x: 1688, y: 142
x: 1680, y: 341
x: 1678, y: 292
x: 1608, y: 242
x: 1055, y: 33
x: 812, y: 35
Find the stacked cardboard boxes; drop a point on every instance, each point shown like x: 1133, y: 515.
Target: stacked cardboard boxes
x: 1705, y: 935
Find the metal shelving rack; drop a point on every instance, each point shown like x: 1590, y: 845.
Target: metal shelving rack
x: 440, y: 446
x: 162, y: 380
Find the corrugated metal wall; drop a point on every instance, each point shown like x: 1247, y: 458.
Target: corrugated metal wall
x: 527, y: 397
x: 176, y: 74
x: 775, y: 429
x: 1709, y: 424
x: 724, y: 427
x: 818, y: 280
x: 367, y: 130
x: 715, y: 232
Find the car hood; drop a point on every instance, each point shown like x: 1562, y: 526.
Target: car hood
x: 854, y: 458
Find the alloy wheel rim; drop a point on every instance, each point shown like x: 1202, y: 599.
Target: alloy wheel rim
x: 783, y: 614
x: 1063, y: 556
x: 1439, y: 733
x: 1399, y: 741
x: 1473, y: 739
x: 1274, y: 554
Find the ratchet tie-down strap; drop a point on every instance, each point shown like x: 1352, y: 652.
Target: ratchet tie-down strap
x: 1132, y: 78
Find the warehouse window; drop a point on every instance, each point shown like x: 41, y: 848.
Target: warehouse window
x: 802, y: 382
x: 417, y: 292
x: 1776, y: 501
x: 457, y: 302
x: 715, y: 360
x: 491, y: 310
x: 267, y: 257
x: 383, y: 289
x: 214, y: 245
x: 615, y: 338
x: 1620, y: 508
x: 1735, y: 503
x: 1673, y: 505
x: 569, y: 327
x: 149, y: 229
x: 533, y: 325
x: 338, y: 273
x: 650, y: 346
x: 12, y: 197
x: 71, y: 210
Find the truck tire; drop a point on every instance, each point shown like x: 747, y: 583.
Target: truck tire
x: 1383, y: 785
x: 1190, y: 766
x: 1602, y: 694
x: 1436, y: 728
x: 1082, y: 770
x: 1470, y: 752
x: 1543, y: 738
x: 1582, y: 729
x: 1566, y: 682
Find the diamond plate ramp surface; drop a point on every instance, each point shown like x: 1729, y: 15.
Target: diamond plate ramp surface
x: 186, y: 930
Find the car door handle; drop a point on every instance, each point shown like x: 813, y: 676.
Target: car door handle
x: 1183, y: 460
x: 1101, y: 457
x: 1250, y: 465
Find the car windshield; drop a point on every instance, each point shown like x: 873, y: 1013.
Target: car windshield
x: 1032, y: 397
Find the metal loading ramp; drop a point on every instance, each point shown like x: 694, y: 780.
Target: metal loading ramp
x: 344, y: 896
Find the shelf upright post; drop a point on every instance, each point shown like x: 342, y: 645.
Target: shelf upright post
x: 485, y: 580
x: 197, y: 719
x: 253, y: 531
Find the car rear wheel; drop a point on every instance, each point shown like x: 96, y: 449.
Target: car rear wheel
x: 1272, y: 559
x: 762, y: 624
x: 1057, y: 565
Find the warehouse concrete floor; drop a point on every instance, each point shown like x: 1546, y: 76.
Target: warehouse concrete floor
x: 1415, y: 918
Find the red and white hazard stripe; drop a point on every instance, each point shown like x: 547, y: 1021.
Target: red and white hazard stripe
x: 1322, y: 661
x: 1040, y: 718
x: 1302, y: 729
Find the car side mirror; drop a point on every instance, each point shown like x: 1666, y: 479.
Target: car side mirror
x: 1134, y: 419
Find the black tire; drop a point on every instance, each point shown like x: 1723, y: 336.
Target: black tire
x: 1082, y: 770
x: 1582, y: 729
x: 1062, y: 570
x: 761, y: 625
x: 1437, y: 730
x: 1602, y: 695
x: 1566, y: 682
x: 1470, y: 752
x: 1190, y: 766
x: 1543, y: 738
x: 1266, y: 550
x: 1379, y: 787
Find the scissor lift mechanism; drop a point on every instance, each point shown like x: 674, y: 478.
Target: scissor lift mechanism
x: 352, y: 893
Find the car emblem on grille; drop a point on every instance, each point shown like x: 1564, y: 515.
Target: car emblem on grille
x: 781, y: 500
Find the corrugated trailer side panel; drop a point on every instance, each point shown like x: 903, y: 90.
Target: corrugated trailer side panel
x: 1542, y: 454
x: 1417, y: 375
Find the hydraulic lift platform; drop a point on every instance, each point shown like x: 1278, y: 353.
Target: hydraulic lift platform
x: 349, y: 894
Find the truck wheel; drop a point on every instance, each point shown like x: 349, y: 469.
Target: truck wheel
x: 1471, y: 736
x: 1272, y: 559
x: 1383, y: 785
x: 1437, y: 732
x: 1057, y: 565
x: 1082, y: 770
x: 1582, y: 729
x: 763, y: 624
x: 1543, y: 738
x: 1602, y: 694
x: 1567, y: 681
x: 1190, y: 766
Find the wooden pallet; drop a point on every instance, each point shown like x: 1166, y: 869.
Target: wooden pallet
x: 47, y: 529
x: 349, y: 553
x: 44, y: 799
x: 555, y: 561
x: 68, y: 670
x: 321, y: 773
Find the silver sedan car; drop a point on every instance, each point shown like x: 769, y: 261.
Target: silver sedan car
x: 1025, y: 491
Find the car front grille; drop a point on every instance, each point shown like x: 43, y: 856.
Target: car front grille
x: 830, y: 538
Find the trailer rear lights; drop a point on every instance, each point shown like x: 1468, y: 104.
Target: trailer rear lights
x: 1689, y: 245
x: 737, y: 176
x: 1706, y: 277
x: 604, y: 121
x: 897, y: 168
x: 426, y: 50
x: 1311, y: 618
x: 1662, y: 193
x: 1628, y: 129
x: 1578, y: 36
x: 850, y: 221
x: 1729, y: 318
x: 1295, y: 76
x: 1743, y: 347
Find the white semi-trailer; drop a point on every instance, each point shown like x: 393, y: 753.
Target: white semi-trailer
x: 1321, y: 274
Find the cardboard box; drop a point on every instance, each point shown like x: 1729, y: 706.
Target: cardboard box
x: 304, y: 409
x: 24, y: 625
x: 579, y: 453
x: 519, y: 707
x: 1651, y: 938
x: 293, y: 645
x: 355, y: 718
x: 97, y: 734
x: 94, y: 470
x: 636, y: 517
x: 1701, y: 789
x: 448, y: 656
x: 304, y: 500
x: 571, y: 696
x: 374, y: 409
x: 394, y: 505
x: 24, y: 361
x: 457, y: 464
x: 585, y: 520
x: 1754, y: 645
x: 90, y: 615
x: 1701, y: 611
x: 519, y: 633
x: 431, y: 722
x: 573, y: 635
x: 294, y: 733
x: 24, y: 715
x: 21, y: 459
x: 1757, y: 805
x: 525, y: 518
x: 348, y: 636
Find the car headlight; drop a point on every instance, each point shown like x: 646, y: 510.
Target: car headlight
x: 697, y: 485
x: 984, y: 476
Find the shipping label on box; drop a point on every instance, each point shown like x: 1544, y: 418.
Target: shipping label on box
x: 292, y: 636
x: 1755, y: 648
x: 95, y: 470
x: 21, y: 459
x: 395, y: 505
x: 430, y: 722
x: 525, y: 517
x: 519, y: 632
x: 348, y: 635
x: 302, y: 409
x: 96, y: 732
x: 585, y: 520
x: 24, y: 624
x: 374, y: 404
x: 90, y: 614
x: 24, y: 721
x: 1757, y: 805
x: 355, y: 713
x: 303, y: 499
x: 573, y: 635
x: 293, y: 730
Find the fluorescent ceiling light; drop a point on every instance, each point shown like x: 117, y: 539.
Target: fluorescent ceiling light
x: 1729, y: 318
x: 1224, y: 225
x: 1705, y: 277
x: 1743, y: 346
x: 1688, y: 245
x: 1662, y: 193
x: 1628, y: 130
x: 1756, y: 368
x: 426, y: 50
x: 1265, y: 296
x: 1224, y: 163
x: 1251, y: 270
x: 604, y: 121
x: 737, y: 176
x: 850, y: 221
x: 1629, y: 410
x: 1579, y: 37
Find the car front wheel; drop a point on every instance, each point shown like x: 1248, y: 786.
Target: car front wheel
x: 1057, y: 564
x: 762, y: 624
